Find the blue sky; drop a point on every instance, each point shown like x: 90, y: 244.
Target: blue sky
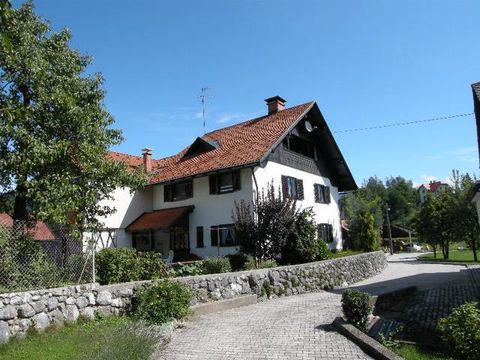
x: 366, y: 63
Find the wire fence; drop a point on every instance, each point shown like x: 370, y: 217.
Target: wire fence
x: 38, y: 256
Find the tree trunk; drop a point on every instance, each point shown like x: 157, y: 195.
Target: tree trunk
x: 20, y: 208
x: 434, y: 251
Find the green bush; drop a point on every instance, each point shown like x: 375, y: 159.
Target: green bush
x: 237, y: 261
x: 162, y: 302
x: 78, y: 268
x: 192, y: 269
x: 24, y: 264
x: 302, y: 244
x: 356, y: 308
x: 216, y: 265
x: 461, y: 331
x: 324, y: 252
x: 123, y: 265
x: 265, y: 264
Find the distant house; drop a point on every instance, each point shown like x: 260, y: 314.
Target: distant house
x: 188, y: 205
x: 433, y: 188
x: 475, y: 194
x: 39, y: 232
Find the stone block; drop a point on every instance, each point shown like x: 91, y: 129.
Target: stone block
x: 41, y: 321
x: 81, y: 302
x: 104, y: 298
x: 8, y: 312
x: 4, y: 332
x: 26, y: 311
x: 71, y: 313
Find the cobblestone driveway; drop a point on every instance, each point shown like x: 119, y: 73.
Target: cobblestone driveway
x: 287, y: 328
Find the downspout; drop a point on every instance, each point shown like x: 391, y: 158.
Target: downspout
x: 256, y: 184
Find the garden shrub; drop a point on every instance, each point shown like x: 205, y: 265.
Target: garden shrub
x: 216, y: 265
x: 192, y: 269
x: 238, y: 261
x: 265, y: 264
x: 24, y: 264
x: 356, y: 308
x: 461, y: 331
x: 302, y: 244
x: 162, y: 301
x: 123, y: 265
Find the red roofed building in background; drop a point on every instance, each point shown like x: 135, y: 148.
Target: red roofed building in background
x: 188, y: 204
x: 433, y: 188
x: 39, y: 232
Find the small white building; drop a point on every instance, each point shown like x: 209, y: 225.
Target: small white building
x: 433, y: 188
x: 188, y: 205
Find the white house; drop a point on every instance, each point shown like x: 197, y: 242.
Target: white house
x: 188, y: 205
x: 433, y: 188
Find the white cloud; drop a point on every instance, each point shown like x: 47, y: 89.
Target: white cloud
x: 428, y: 178
x: 462, y: 154
x: 236, y: 117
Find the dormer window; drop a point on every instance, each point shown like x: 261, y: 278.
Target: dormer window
x: 200, y: 146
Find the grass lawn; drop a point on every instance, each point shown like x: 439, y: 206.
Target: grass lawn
x: 108, y: 338
x: 413, y: 352
x: 344, y: 253
x: 464, y: 256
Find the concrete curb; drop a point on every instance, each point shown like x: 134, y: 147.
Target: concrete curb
x: 365, y: 342
x: 222, y: 305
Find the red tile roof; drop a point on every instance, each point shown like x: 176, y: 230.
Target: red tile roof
x: 433, y: 186
x: 159, y: 219
x: 40, y: 232
x: 238, y: 145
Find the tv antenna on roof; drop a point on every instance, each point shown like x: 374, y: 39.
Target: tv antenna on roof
x: 202, y: 96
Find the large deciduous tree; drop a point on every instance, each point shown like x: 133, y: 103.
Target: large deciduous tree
x: 54, y: 129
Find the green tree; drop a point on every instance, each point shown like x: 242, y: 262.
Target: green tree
x: 365, y: 234
x: 55, y: 132
x: 303, y: 244
x: 427, y: 224
x: 402, y: 199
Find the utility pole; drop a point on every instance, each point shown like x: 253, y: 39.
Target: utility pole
x: 387, y: 207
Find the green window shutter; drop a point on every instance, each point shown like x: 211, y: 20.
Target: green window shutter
x: 213, y: 184
x: 236, y: 180
x: 316, y: 191
x: 327, y: 194
x: 167, y: 192
x: 214, y: 236
x: 300, y: 194
x: 285, y: 186
x: 189, y: 189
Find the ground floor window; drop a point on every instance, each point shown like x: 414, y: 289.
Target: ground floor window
x: 325, y: 232
x: 161, y: 240
x: 223, y: 235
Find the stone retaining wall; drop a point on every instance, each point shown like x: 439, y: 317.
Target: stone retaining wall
x: 42, y: 308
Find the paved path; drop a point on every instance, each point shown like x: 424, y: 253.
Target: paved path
x: 295, y: 327
x: 286, y: 328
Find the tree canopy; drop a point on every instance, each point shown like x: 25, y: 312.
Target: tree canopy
x: 55, y: 132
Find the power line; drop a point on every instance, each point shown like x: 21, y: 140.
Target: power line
x: 403, y: 123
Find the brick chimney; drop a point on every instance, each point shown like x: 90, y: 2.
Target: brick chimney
x: 275, y: 104
x: 147, y: 159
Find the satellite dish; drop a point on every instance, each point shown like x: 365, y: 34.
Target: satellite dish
x: 308, y: 126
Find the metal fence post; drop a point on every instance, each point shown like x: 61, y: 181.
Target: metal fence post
x: 93, y: 263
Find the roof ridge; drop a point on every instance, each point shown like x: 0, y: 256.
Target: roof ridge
x: 259, y: 117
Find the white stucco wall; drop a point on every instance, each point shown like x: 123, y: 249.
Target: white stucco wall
x: 210, y: 210
x: 128, y: 207
x: 324, y: 213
